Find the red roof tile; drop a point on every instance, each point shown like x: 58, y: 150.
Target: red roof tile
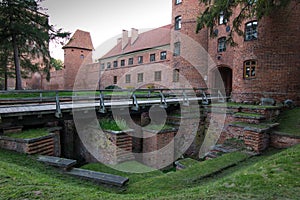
x: 150, y: 39
x: 80, y: 39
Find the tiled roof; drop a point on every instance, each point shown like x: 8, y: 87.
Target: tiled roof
x: 80, y: 39
x: 150, y: 39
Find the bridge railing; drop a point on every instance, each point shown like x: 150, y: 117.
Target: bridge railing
x: 44, y: 96
x: 101, y: 96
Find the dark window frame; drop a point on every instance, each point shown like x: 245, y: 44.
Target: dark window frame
x: 115, y: 81
x: 221, y: 44
x: 140, y: 59
x: 177, y: 2
x: 123, y: 63
x: 251, y: 31
x: 130, y: 61
x: 178, y: 22
x: 152, y: 57
x: 163, y: 55
x: 115, y: 63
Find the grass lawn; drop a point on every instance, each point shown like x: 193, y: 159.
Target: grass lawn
x: 29, y: 134
x: 275, y: 175
x: 290, y: 122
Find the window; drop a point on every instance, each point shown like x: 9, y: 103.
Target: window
x: 178, y: 22
x: 81, y: 56
x: 251, y: 31
x: 152, y: 57
x: 140, y: 59
x: 108, y: 65
x: 130, y: 61
x: 127, y: 78
x: 140, y: 77
x: 249, y: 68
x: 222, y: 19
x: 157, y: 76
x: 177, y: 49
x: 115, y: 63
x: 176, y: 75
x: 122, y: 63
x: 102, y: 66
x: 115, y: 79
x: 222, y: 44
x: 178, y: 2
x: 163, y: 55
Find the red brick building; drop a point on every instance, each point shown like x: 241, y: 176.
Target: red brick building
x: 265, y: 63
x: 77, y: 54
x: 142, y: 60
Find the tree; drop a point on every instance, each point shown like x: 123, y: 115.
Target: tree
x: 57, y: 64
x: 28, y: 32
x: 247, y: 9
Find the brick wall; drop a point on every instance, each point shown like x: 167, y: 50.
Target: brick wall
x: 158, y: 148
x: 74, y: 59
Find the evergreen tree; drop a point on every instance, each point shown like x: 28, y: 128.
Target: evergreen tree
x: 27, y: 31
x: 247, y: 9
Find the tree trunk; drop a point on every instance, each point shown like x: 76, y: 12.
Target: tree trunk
x: 5, y: 78
x: 17, y: 64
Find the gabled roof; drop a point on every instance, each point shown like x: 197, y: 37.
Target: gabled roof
x: 150, y: 39
x: 81, y: 40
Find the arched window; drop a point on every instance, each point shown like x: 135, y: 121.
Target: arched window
x: 178, y: 22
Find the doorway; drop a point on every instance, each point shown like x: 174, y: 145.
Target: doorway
x: 223, y: 79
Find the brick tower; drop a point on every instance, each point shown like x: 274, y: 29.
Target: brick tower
x: 77, y: 51
x: 189, y: 48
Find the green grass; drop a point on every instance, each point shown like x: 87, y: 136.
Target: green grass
x: 125, y: 170
x: 29, y: 134
x: 188, y: 162
x: 158, y: 127
x: 290, y: 122
x: 237, y: 105
x: 245, y: 124
x: 275, y: 175
x: 113, y: 125
x: 186, y: 178
x: 250, y: 115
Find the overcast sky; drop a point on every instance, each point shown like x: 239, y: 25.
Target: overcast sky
x: 106, y: 19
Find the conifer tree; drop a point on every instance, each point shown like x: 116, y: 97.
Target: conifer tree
x: 24, y: 35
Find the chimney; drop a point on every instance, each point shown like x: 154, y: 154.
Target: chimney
x: 134, y: 35
x: 125, y: 39
x: 119, y: 40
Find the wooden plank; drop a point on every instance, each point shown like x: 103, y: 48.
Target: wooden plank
x: 57, y: 162
x: 99, y: 177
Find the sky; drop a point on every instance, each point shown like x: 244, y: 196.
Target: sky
x: 105, y: 20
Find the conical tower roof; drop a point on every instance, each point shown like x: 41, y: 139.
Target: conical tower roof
x: 80, y: 40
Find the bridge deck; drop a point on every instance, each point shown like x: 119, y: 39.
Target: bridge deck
x: 68, y: 106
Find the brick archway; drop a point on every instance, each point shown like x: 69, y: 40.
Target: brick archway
x: 223, y: 73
